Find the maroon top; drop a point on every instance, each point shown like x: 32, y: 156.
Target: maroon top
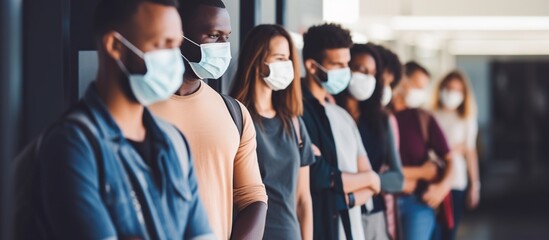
x: 413, y: 149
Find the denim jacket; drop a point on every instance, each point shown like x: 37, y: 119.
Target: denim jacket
x: 82, y: 196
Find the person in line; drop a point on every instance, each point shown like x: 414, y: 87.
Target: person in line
x: 391, y: 73
x: 225, y: 159
x: 454, y: 109
x: 123, y: 180
x: 420, y: 134
x: 267, y: 83
x: 341, y: 179
x: 391, y: 70
x: 362, y: 100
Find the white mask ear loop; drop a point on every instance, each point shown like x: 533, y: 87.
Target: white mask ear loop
x: 129, y: 45
x: 320, y: 66
x: 186, y: 38
x: 122, y: 67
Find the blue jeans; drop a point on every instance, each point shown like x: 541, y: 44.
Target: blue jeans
x: 417, y: 218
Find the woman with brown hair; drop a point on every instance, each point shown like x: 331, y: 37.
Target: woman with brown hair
x: 267, y: 83
x: 454, y: 109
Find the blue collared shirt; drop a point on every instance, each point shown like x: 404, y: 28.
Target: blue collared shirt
x: 82, y: 196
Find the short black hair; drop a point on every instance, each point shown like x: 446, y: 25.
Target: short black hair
x: 111, y: 14
x: 187, y: 8
x: 412, y: 67
x: 391, y: 63
x: 323, y: 37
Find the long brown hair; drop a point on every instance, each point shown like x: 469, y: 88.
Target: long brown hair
x: 468, y: 107
x: 254, y: 51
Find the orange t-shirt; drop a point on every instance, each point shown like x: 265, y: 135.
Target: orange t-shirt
x: 226, y: 165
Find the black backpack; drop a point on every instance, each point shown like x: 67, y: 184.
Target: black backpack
x: 235, y: 111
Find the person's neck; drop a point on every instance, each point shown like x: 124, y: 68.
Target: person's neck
x: 398, y: 104
x: 190, y: 85
x: 318, y: 92
x: 353, y: 108
x: 448, y: 110
x: 264, y: 101
x: 127, y: 114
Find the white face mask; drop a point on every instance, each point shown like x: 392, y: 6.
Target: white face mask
x: 215, y: 60
x: 281, y: 75
x: 451, y: 99
x: 416, y: 97
x: 387, y: 96
x: 164, y: 74
x: 362, y: 86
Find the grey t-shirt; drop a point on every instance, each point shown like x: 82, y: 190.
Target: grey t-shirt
x: 280, y: 158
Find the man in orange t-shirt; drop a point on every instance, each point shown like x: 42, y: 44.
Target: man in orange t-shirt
x: 225, y: 162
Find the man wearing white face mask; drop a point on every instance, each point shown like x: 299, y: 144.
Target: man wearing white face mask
x: 109, y: 169
x: 341, y: 178
x: 424, y: 188
x: 220, y: 130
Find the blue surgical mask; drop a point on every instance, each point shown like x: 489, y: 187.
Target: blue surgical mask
x: 215, y: 60
x: 338, y: 79
x: 164, y: 74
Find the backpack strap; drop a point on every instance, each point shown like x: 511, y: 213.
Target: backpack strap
x: 423, y: 118
x: 235, y: 111
x: 179, y: 144
x: 90, y: 132
x: 297, y: 130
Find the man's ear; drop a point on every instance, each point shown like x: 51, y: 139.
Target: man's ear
x: 111, y: 45
x: 310, y: 66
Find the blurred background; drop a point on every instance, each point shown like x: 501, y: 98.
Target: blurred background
x: 47, y: 58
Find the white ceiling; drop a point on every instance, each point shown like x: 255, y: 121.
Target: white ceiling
x: 454, y: 7
x: 492, y: 27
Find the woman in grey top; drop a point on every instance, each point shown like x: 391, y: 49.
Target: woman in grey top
x: 267, y: 83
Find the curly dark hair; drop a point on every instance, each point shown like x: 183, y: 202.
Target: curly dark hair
x: 322, y: 37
